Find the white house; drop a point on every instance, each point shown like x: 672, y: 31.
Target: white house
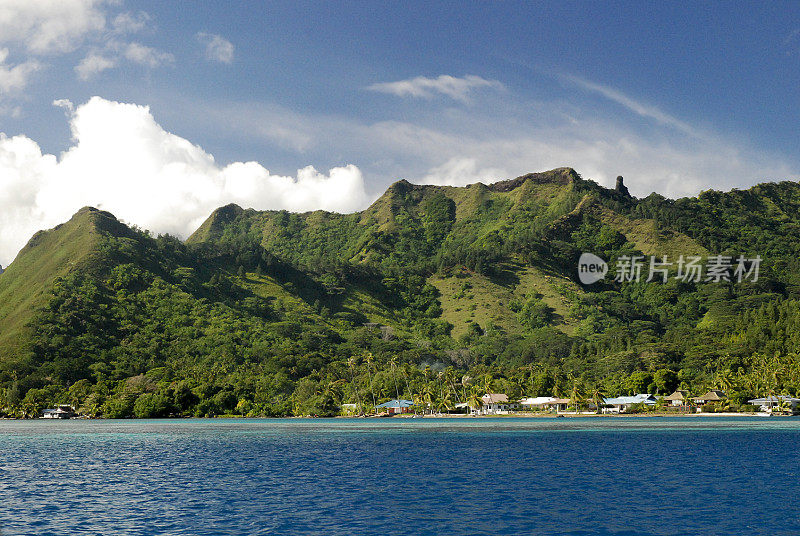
x: 770, y: 403
x: 621, y: 404
x: 495, y: 403
x: 63, y: 411
x: 540, y: 403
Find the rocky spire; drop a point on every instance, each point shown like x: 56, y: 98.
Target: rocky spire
x: 621, y: 187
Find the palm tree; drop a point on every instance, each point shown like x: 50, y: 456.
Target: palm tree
x: 447, y: 401
x: 406, y: 368
x: 442, y: 385
x: 474, y: 400
x: 598, y: 398
x: 724, y: 380
x: 428, y: 395
x: 331, y: 396
x: 393, y: 366
x: 465, y: 381
x: 558, y: 389
x: 450, y: 378
x: 488, y: 380
x: 368, y: 361
x: 687, y: 402
x: 351, y: 362
x: 576, y: 392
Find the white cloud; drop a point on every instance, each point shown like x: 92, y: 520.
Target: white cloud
x: 128, y: 23
x: 147, y: 56
x: 64, y: 103
x: 633, y: 105
x: 124, y: 162
x: 460, y: 171
x: 58, y: 27
x: 50, y: 26
x: 93, y: 64
x: 11, y: 111
x: 506, y: 138
x: 422, y: 87
x: 217, y: 47
x: 15, y: 77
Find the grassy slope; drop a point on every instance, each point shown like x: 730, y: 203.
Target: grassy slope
x: 48, y: 255
x: 647, y: 238
x: 532, y: 201
x: 535, y: 201
x: 469, y: 297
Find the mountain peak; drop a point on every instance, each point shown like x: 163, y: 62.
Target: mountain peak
x: 563, y: 176
x: 216, y: 222
x: 402, y: 186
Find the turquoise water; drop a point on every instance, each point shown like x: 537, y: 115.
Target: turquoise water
x: 582, y: 476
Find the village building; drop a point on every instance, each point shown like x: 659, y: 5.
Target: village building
x: 621, y: 404
x: 544, y: 403
x: 714, y: 395
x: 350, y: 409
x: 63, y: 411
x: 772, y: 403
x: 395, y: 406
x: 495, y: 403
x: 462, y: 407
x: 679, y: 398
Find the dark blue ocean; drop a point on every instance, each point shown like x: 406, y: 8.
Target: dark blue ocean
x: 582, y: 476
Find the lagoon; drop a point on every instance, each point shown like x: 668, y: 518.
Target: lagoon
x: 621, y: 476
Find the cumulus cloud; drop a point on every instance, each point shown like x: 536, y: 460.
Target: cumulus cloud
x: 217, y: 48
x: 64, y: 103
x: 422, y: 87
x: 115, y: 52
x: 128, y: 23
x: 147, y: 56
x: 460, y: 171
x: 93, y: 64
x: 57, y: 27
x: 15, y: 77
x: 50, y: 26
x: 123, y: 161
x: 509, y: 137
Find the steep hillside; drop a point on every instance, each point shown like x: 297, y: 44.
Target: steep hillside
x: 25, y: 285
x: 277, y: 313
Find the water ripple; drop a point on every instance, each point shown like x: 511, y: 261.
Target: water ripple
x: 620, y: 477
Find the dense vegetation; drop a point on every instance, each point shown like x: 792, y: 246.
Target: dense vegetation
x: 433, y: 293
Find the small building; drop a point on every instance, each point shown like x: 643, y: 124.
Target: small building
x: 770, y: 403
x: 62, y: 411
x: 462, y: 407
x: 714, y: 395
x: 679, y: 398
x: 545, y: 403
x: 350, y: 409
x: 494, y: 403
x: 396, y: 406
x: 621, y: 404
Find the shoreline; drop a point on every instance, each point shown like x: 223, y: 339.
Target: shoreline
x: 521, y: 415
x: 574, y: 415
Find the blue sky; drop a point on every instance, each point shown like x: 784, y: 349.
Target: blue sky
x: 676, y: 97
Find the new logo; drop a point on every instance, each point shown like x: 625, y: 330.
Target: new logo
x: 591, y: 268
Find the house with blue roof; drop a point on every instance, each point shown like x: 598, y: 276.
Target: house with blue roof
x: 774, y: 403
x: 396, y: 406
x: 620, y: 404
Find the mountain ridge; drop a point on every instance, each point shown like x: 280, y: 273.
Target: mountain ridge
x: 478, y: 280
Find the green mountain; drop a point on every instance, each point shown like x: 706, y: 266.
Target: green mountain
x: 431, y: 292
